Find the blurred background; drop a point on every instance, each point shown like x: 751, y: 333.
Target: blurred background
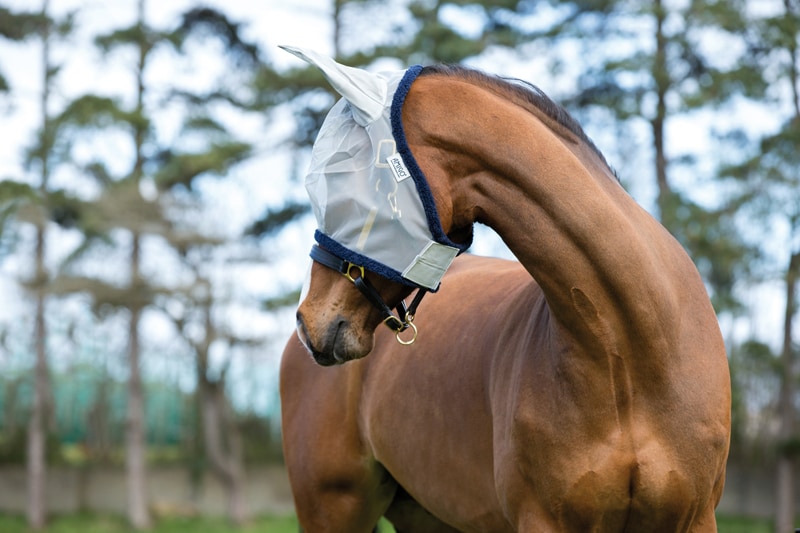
x: 154, y: 228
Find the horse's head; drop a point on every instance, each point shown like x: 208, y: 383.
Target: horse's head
x: 379, y: 232
x: 335, y: 321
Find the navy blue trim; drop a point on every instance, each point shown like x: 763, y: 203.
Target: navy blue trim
x: 361, y: 260
x: 424, y: 191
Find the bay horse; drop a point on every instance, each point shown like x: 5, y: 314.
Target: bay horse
x: 582, y: 388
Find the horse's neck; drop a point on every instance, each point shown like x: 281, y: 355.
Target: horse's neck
x: 602, y: 262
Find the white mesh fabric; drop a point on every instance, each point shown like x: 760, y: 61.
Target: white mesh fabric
x: 363, y: 205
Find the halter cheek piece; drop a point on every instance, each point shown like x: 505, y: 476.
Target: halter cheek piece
x: 398, y: 325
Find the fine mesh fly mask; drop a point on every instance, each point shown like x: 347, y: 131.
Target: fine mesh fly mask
x: 372, y: 203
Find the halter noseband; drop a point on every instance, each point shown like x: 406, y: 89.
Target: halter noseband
x: 398, y: 325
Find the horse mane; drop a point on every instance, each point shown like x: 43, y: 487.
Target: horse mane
x: 527, y: 92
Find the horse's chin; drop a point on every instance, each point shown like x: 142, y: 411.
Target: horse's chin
x: 338, y: 345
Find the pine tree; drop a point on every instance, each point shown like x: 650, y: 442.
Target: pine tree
x: 768, y: 184
x: 219, y: 430
x: 650, y: 77
x: 20, y: 202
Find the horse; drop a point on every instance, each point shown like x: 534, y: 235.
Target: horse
x: 582, y: 387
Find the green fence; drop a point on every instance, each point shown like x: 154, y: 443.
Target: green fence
x: 90, y: 408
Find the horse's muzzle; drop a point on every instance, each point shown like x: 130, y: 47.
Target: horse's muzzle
x: 334, y: 346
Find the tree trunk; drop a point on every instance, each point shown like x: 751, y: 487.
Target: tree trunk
x: 136, y: 460
x: 136, y: 445
x: 784, y: 503
x: 37, y: 426
x: 224, y: 449
x: 658, y: 122
x: 221, y: 435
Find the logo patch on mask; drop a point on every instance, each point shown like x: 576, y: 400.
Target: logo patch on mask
x: 398, y: 167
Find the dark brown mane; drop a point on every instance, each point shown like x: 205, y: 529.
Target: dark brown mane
x: 522, y: 90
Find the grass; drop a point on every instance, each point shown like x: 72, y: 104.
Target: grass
x: 91, y: 523
x: 727, y: 524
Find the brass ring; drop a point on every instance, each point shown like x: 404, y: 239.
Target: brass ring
x: 412, y: 339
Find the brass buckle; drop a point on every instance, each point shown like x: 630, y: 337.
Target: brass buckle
x: 349, y: 267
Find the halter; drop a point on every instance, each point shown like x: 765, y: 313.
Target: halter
x: 398, y: 325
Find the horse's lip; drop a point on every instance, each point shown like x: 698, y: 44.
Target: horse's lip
x: 335, y: 342
x: 324, y: 360
x: 334, y: 351
x: 321, y: 358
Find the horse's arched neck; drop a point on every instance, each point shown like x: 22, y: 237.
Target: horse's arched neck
x: 550, y: 197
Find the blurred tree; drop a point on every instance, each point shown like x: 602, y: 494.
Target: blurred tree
x: 36, y: 428
x: 142, y: 39
x: 770, y: 181
x: 136, y: 202
x: 651, y: 62
x: 217, y: 429
x: 420, y: 31
x: 174, y: 211
x: 754, y: 377
x: 19, y: 26
x: 18, y: 195
x: 769, y: 189
x: 218, y: 432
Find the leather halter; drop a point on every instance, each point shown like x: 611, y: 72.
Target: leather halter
x: 406, y: 318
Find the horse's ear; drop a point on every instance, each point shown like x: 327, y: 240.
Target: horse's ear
x: 365, y: 91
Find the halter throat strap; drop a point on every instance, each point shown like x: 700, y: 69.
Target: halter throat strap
x: 406, y: 314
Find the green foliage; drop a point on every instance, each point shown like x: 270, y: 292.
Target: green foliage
x: 18, y: 26
x: 262, y: 441
x: 769, y: 189
x: 789, y: 448
x: 136, y: 35
x: 715, y: 244
x: 273, y: 220
x: 206, y: 22
x: 23, y: 203
x: 183, y: 168
x: 502, y: 23
x: 692, y: 76
x: 121, y: 205
x: 14, y: 192
x: 755, y: 372
x: 652, y: 84
x: 97, y: 112
x: 87, y: 113
x: 14, y: 447
x: 284, y: 301
x: 778, y: 32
